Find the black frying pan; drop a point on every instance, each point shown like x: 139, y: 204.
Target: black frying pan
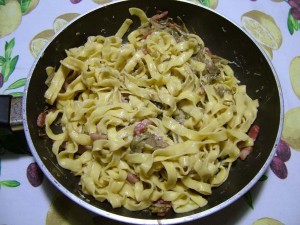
x: 224, y: 39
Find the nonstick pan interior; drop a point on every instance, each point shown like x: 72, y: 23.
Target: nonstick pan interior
x: 224, y: 39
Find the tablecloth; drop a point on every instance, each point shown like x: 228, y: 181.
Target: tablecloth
x: 30, y: 199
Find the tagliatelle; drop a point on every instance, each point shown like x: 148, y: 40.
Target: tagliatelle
x: 154, y: 118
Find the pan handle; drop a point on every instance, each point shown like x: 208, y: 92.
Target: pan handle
x: 11, y: 113
x: 12, y: 137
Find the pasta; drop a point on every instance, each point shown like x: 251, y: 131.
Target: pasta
x: 149, y: 123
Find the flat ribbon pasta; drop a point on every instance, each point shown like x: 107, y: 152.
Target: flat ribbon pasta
x: 154, y: 118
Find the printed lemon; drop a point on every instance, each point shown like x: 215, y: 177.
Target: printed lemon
x: 295, y: 75
x: 268, y: 51
x: 39, y: 41
x: 62, y: 20
x: 101, y: 1
x: 212, y: 3
x: 63, y: 211
x: 263, y: 27
x: 10, y: 17
x: 291, y: 128
x: 267, y: 221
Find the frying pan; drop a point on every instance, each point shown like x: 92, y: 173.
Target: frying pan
x: 224, y: 38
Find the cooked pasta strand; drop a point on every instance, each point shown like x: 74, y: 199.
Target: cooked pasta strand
x: 151, y: 121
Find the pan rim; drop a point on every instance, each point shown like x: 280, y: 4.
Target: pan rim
x: 178, y: 220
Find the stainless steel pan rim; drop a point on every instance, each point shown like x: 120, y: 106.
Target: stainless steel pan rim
x: 111, y: 215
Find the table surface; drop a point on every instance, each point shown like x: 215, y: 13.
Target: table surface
x: 273, y: 200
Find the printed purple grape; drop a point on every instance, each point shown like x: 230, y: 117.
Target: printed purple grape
x: 295, y: 13
x: 294, y: 4
x: 279, y: 168
x: 34, y: 174
x: 75, y: 1
x: 283, y: 151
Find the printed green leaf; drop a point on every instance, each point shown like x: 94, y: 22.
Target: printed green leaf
x: 24, y: 5
x: 205, y: 2
x: 248, y: 199
x: 2, y: 2
x: 5, y: 70
x: 8, y: 67
x: 12, y: 65
x: 2, y: 60
x: 292, y: 23
x: 9, y: 183
x: 291, y: 28
x: 8, y: 64
x: 19, y: 83
x: 295, y: 24
x: 8, y: 48
x: 16, y: 94
x: 263, y: 178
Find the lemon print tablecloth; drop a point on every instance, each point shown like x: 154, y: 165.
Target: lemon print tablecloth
x: 26, y: 198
